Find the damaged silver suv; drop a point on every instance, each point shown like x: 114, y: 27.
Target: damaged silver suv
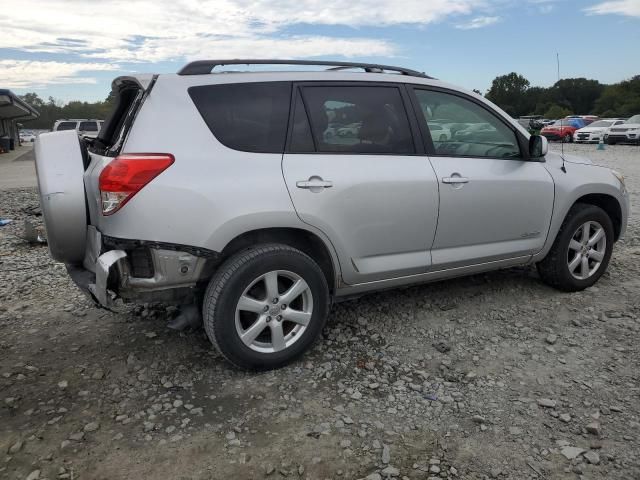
x: 258, y: 198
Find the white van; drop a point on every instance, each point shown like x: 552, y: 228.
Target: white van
x: 84, y: 126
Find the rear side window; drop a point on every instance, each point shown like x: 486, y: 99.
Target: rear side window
x: 251, y: 117
x: 88, y: 127
x: 356, y: 119
x: 66, y: 126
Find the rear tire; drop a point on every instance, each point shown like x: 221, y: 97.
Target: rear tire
x: 569, y: 250
x: 266, y: 306
x: 568, y: 138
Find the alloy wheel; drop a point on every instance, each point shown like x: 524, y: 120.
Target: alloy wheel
x: 586, y: 250
x: 274, y: 311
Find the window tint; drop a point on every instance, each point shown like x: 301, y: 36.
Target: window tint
x: 251, y: 117
x: 358, y: 119
x: 66, y: 126
x: 88, y: 127
x: 460, y: 127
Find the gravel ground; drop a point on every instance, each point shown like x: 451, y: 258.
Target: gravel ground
x: 490, y: 376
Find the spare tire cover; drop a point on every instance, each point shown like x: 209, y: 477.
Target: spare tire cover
x: 60, y: 171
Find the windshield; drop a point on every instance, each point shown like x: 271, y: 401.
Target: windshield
x: 602, y: 123
x: 634, y: 119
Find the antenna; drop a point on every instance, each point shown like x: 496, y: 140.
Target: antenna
x: 563, y: 168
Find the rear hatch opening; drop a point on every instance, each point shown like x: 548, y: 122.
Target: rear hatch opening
x: 129, y: 94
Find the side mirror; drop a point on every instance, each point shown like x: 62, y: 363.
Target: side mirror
x: 538, y: 147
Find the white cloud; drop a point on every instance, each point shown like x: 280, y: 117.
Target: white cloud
x: 181, y: 30
x: 191, y: 48
x: 630, y: 8
x: 478, y: 22
x: 26, y: 73
x: 150, y: 30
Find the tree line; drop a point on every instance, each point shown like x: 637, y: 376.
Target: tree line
x: 512, y: 92
x: 52, y: 110
x: 569, y: 96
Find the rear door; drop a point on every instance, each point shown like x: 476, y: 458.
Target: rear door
x: 495, y: 204
x: 355, y: 171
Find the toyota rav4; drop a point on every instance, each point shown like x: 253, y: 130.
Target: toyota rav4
x: 234, y: 193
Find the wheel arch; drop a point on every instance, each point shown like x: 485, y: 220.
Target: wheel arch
x: 304, y: 240
x: 607, y: 203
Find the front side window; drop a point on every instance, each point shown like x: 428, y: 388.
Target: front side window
x: 66, y: 126
x: 460, y: 127
x: 251, y: 117
x: 356, y: 119
x: 88, y: 127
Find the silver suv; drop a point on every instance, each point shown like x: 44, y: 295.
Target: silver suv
x: 262, y: 197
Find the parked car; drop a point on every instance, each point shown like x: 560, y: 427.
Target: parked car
x: 588, y: 119
x: 85, y: 127
x: 597, y: 130
x: 629, y: 132
x: 222, y: 191
x: 476, y: 132
x: 27, y: 136
x: 563, y: 129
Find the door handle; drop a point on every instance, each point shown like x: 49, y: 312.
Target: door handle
x: 314, y: 183
x: 455, y: 180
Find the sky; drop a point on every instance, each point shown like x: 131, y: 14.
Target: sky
x: 73, y: 49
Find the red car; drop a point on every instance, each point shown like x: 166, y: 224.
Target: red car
x: 563, y: 129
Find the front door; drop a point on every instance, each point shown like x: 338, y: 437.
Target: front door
x: 494, y: 203
x: 353, y: 171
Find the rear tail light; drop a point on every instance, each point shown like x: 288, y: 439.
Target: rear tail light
x: 127, y: 174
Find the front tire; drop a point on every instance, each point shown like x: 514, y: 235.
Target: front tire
x: 266, y: 306
x: 582, y: 250
x: 568, y: 138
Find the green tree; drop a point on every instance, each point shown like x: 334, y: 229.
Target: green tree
x: 53, y: 110
x: 33, y: 99
x: 508, y: 92
x: 556, y: 111
x: 577, y: 94
x: 620, y: 99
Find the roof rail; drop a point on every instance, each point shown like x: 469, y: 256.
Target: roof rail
x: 202, y: 67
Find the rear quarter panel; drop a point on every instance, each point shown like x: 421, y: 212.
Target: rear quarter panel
x: 210, y: 194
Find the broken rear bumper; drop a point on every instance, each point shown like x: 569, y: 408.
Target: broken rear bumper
x: 108, y: 273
